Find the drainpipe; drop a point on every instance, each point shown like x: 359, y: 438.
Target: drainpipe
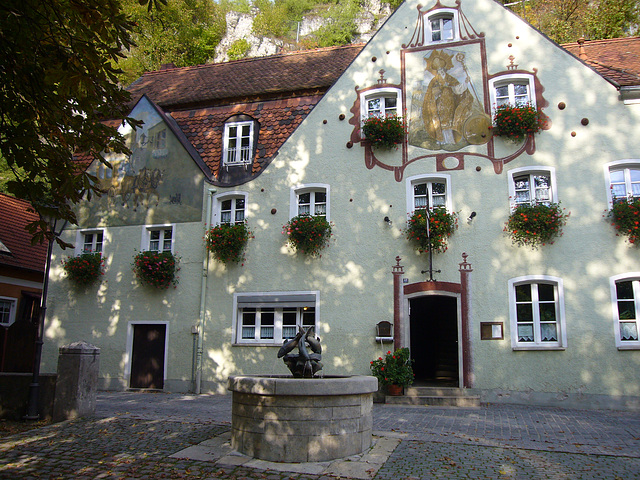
x: 203, y: 294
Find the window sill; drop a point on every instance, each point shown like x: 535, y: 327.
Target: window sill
x: 629, y: 347
x: 538, y: 348
x: 256, y: 344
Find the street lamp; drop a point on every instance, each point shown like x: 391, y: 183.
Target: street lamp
x: 34, y: 387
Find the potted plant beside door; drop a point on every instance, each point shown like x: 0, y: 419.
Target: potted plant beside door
x: 394, y: 371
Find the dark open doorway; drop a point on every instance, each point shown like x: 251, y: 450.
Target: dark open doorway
x: 434, y: 340
x: 147, y: 358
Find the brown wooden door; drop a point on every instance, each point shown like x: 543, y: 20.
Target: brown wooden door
x: 147, y: 357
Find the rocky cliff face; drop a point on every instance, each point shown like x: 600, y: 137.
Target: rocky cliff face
x: 240, y: 26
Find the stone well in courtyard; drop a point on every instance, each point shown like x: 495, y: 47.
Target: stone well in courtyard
x: 286, y: 419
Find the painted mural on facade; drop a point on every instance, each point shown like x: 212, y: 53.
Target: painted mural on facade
x: 446, y: 110
x: 159, y: 182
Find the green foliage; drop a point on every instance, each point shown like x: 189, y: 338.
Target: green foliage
x: 516, y: 123
x: 384, y: 132
x: 84, y: 269
x: 308, y: 234
x: 156, y: 269
x: 342, y: 28
x: 535, y: 225
x: 567, y: 20
x: 184, y: 32
x: 58, y: 83
x: 238, y: 49
x: 625, y: 217
x: 272, y: 20
x: 227, y: 241
x: 394, y: 369
x: 433, y: 228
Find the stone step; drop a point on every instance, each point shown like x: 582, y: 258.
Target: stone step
x: 436, y: 396
x: 463, y: 401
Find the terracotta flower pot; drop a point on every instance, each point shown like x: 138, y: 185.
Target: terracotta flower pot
x: 394, y: 390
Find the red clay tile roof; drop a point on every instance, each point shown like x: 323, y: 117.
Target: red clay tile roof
x: 278, y: 92
x: 277, y: 119
x: 219, y: 82
x: 616, y: 59
x: 16, y: 239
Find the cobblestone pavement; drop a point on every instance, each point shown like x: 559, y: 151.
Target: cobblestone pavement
x: 142, y: 435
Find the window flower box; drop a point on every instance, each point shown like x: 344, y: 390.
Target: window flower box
x: 625, y: 217
x: 431, y: 229
x: 228, y: 241
x: 84, y: 269
x: 514, y: 123
x: 535, y: 225
x: 308, y: 234
x: 156, y: 269
x: 384, y: 132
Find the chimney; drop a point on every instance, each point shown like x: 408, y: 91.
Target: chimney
x: 582, y: 53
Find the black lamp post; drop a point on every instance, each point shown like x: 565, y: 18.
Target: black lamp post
x: 34, y: 387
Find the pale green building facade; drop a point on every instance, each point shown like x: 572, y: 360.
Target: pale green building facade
x: 555, y: 325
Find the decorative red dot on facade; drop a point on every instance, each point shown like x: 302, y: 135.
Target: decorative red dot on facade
x: 562, y: 105
x: 584, y: 121
x: 341, y: 116
x: 478, y: 168
x: 573, y: 134
x: 373, y: 59
x: 349, y: 144
x: 273, y: 211
x: 510, y: 45
x: 324, y: 121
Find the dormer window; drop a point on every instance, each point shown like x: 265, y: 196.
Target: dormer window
x: 238, y: 143
x: 442, y: 26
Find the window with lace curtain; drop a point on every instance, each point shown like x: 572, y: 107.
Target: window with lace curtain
x: 625, y: 292
x: 531, y: 186
x: 310, y: 199
x: 428, y: 191
x: 537, y: 313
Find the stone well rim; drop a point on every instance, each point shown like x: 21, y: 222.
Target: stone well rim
x: 287, y: 385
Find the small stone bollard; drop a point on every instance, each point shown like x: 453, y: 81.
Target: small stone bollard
x: 77, y: 385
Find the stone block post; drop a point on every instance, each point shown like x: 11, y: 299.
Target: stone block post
x: 77, y: 385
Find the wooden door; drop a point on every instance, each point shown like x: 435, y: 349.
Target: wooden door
x: 147, y: 356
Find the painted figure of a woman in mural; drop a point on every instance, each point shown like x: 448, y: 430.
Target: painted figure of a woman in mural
x: 440, y: 116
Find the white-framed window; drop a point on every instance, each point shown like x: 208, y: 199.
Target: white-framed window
x: 270, y: 318
x: 442, y: 26
x: 429, y: 191
x: 625, y: 293
x: 230, y: 207
x: 532, y: 185
x: 8, y: 307
x: 238, y: 143
x: 623, y: 180
x: 89, y: 241
x: 381, y: 102
x: 536, y: 310
x: 512, y: 89
x: 310, y: 199
x: 158, y: 238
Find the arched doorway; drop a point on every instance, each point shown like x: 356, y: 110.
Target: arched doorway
x: 434, y: 340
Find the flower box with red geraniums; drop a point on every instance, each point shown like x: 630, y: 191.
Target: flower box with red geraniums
x: 227, y: 241
x: 84, y: 269
x: 308, y: 234
x: 535, y: 225
x: 625, y: 217
x: 384, y: 132
x: 431, y: 227
x: 516, y: 122
x: 394, y: 369
x: 156, y: 269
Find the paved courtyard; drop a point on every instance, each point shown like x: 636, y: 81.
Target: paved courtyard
x: 158, y: 435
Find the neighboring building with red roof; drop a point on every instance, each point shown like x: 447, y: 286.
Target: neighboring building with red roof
x: 269, y: 141
x: 21, y: 275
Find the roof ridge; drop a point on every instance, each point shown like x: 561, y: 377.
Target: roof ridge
x: 254, y: 59
x: 601, y: 40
